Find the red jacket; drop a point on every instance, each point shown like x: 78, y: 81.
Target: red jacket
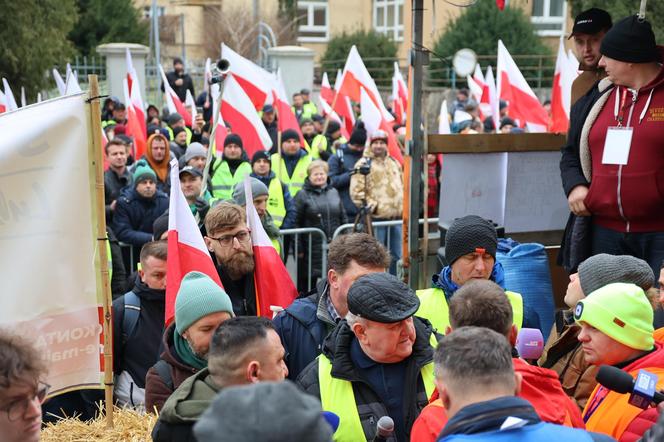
x: 629, y: 198
x: 540, y: 387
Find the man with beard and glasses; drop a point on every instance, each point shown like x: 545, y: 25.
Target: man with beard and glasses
x: 200, y: 307
x: 138, y: 326
x: 229, y: 242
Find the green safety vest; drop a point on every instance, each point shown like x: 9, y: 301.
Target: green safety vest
x: 337, y: 396
x: 318, y: 144
x: 223, y: 181
x: 433, y: 306
x: 296, y: 182
x: 186, y: 129
x: 276, y: 205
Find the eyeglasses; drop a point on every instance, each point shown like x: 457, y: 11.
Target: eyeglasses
x: 226, y: 240
x: 17, y: 409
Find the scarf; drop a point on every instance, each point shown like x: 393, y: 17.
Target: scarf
x: 185, y: 352
x: 443, y: 280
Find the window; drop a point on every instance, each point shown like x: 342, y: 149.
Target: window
x: 312, y: 21
x: 549, y: 17
x: 388, y: 18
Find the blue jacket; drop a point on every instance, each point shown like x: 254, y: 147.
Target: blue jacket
x: 482, y: 422
x: 443, y: 281
x: 134, y: 216
x: 302, y: 330
x: 289, y: 202
x: 340, y: 166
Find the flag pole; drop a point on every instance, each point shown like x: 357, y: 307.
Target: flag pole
x: 102, y: 243
x: 327, y: 117
x: 215, y: 123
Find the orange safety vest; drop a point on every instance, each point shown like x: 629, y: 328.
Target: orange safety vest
x: 609, y: 412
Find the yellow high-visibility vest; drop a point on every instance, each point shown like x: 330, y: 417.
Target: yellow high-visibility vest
x: 223, y: 180
x: 295, y: 182
x: 433, y: 306
x: 337, y: 396
x: 276, y: 204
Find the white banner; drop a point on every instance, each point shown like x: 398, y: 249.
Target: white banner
x: 47, y: 238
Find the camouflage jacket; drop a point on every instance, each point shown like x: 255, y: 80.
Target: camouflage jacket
x: 384, y: 186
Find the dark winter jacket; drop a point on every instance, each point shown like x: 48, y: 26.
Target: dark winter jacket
x: 242, y: 292
x: 157, y: 391
x: 134, y: 216
x: 272, y: 130
x: 118, y: 272
x: 341, y: 164
x: 302, y: 328
x: 337, y: 348
x: 181, y: 91
x: 486, y: 421
x: 113, y: 185
x: 183, y: 409
x: 139, y: 351
x: 289, y: 203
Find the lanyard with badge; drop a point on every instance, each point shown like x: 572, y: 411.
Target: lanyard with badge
x: 619, y: 138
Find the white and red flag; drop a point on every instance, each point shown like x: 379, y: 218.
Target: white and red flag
x: 342, y: 105
x: 134, y: 128
x: 274, y: 286
x: 239, y: 112
x: 135, y: 100
x: 373, y: 121
x: 401, y: 89
x: 512, y: 87
x: 173, y: 102
x: 186, y: 247
x: 10, y: 101
x: 286, y: 119
x: 561, y: 95
x: 255, y: 80
x: 326, y: 110
x: 326, y: 92
x: 190, y: 103
x: 494, y: 102
x: 444, y: 120
x: 355, y: 77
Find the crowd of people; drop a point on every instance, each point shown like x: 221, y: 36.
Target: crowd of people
x: 358, y: 345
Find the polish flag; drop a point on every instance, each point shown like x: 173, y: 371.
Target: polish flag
x: 373, y: 120
x: 327, y: 110
x: 191, y: 105
x: 356, y: 77
x: 286, y: 119
x: 326, y: 92
x: 71, y: 82
x: 444, y: 120
x: 59, y: 82
x: 240, y: 113
x: 173, y: 101
x: 561, y: 95
x: 512, y: 86
x: 402, y: 87
x: 135, y: 100
x: 217, y: 145
x: 397, y: 106
x: 186, y: 248
x: 343, y: 107
x: 10, y: 101
x: 219, y: 137
x: 274, y: 286
x: 494, y: 102
x: 255, y: 80
x: 134, y: 127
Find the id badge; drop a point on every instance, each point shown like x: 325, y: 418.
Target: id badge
x: 617, y: 145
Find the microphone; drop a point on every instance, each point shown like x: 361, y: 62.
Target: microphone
x: 384, y: 429
x: 642, y: 390
x: 530, y: 343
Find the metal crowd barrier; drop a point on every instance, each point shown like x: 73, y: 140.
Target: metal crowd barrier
x: 293, y: 265
x: 396, y: 222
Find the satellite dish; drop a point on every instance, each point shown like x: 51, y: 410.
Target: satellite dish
x: 464, y: 62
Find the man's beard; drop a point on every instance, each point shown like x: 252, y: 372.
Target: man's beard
x: 193, y: 350
x: 239, y: 265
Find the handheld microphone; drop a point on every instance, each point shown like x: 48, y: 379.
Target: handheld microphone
x: 530, y: 343
x: 642, y: 390
x: 384, y: 429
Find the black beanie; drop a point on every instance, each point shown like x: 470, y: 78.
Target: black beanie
x: 359, y: 135
x: 233, y: 139
x: 260, y: 155
x: 631, y: 40
x: 289, y: 134
x: 468, y: 234
x: 160, y: 226
x: 333, y: 126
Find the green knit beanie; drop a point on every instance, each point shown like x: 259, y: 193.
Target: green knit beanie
x: 199, y: 296
x: 143, y: 172
x: 620, y: 311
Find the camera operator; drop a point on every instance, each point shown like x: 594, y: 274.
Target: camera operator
x: 342, y: 164
x: 381, y: 190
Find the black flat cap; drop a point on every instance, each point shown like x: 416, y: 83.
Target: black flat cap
x: 382, y: 297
